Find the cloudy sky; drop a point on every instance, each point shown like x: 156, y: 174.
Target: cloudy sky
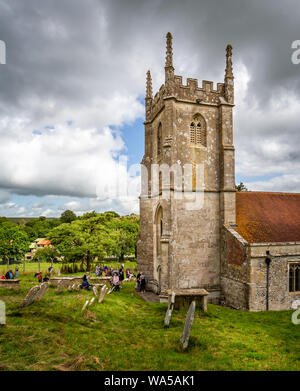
x: 72, y: 93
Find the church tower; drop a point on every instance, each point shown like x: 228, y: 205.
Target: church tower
x: 188, y: 183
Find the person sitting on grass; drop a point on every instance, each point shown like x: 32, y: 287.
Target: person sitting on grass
x: 85, y: 283
x: 9, y: 275
x: 40, y: 277
x: 116, y: 280
x: 46, y: 278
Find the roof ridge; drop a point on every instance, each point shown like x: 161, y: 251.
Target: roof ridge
x: 267, y: 192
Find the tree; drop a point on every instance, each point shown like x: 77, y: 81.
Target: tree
x: 47, y: 254
x: 96, y: 235
x: 14, y: 242
x: 81, y: 241
x: 124, y: 231
x: 68, y: 216
x: 241, y: 187
x: 39, y: 228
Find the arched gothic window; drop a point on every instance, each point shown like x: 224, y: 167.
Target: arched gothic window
x: 159, y: 228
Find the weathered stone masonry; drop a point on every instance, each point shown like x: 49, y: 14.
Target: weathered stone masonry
x: 221, y: 246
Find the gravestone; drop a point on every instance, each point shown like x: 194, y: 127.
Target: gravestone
x: 85, y: 305
x: 103, y: 293
x: 92, y: 301
x: 31, y: 296
x: 171, y: 302
x: 2, y: 313
x: 43, y: 289
x: 59, y: 287
x: 184, y: 340
x: 95, y: 290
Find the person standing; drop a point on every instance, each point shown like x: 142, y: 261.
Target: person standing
x: 138, y: 282
x: 17, y: 271
x: 40, y: 278
x: 143, y: 283
x: 121, y: 274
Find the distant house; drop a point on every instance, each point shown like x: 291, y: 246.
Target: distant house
x: 38, y: 243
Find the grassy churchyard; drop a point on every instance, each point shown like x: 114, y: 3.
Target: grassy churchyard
x: 126, y: 333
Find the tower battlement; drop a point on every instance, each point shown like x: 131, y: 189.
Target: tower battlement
x: 190, y: 92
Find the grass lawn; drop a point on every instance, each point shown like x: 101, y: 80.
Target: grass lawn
x: 126, y: 333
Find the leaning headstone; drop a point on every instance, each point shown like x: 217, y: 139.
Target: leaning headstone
x: 95, y: 290
x: 92, y: 301
x: 102, y: 293
x: 171, y: 303
x: 85, y: 305
x: 59, y: 287
x: 184, y: 340
x: 42, y: 291
x: 2, y: 313
x: 31, y: 296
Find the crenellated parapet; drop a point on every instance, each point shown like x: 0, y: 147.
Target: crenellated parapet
x: 190, y: 92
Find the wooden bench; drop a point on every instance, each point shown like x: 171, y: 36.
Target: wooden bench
x: 10, y: 284
x: 184, y: 297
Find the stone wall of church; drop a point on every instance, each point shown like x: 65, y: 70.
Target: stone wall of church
x: 244, y: 273
x: 279, y: 296
x: 235, y: 269
x: 195, y: 244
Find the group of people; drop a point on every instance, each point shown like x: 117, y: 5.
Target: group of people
x: 116, y: 281
x: 9, y: 275
x: 40, y: 278
x: 117, y: 277
x: 110, y: 272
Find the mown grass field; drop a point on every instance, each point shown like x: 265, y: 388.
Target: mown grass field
x: 126, y: 333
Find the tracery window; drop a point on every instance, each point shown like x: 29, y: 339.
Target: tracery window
x: 294, y: 277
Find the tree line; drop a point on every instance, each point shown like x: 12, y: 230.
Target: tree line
x: 86, y: 238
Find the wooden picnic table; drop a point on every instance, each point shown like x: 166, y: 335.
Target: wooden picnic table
x: 184, y: 297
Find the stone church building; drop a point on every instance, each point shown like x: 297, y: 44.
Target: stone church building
x: 242, y: 247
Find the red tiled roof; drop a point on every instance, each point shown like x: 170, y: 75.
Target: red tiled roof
x: 44, y: 242
x: 268, y: 217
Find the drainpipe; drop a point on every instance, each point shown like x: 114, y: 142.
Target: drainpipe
x: 268, y: 261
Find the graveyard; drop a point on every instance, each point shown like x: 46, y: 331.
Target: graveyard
x: 124, y: 332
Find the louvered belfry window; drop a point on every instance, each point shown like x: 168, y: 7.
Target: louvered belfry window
x: 198, y: 131
x: 192, y: 133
